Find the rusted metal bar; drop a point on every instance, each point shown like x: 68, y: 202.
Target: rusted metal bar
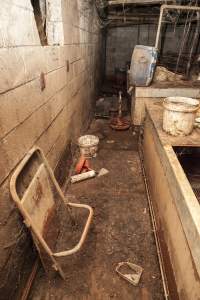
x: 27, y: 218
x: 194, y: 43
x: 171, y: 7
x: 84, y: 234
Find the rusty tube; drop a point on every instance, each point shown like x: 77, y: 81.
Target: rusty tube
x: 165, y: 6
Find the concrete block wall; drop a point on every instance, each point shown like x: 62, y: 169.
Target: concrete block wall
x: 122, y: 40
x: 49, y: 118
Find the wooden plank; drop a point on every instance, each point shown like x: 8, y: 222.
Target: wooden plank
x: 12, y: 152
x: 52, y: 150
x: 55, y: 34
x: 38, y: 199
x: 57, y: 140
x: 77, y: 83
x: 15, y: 70
x: 59, y: 125
x: 139, y: 111
x: 20, y: 65
x: 186, y: 203
x: 20, y: 103
x: 23, y: 130
x: 19, y: 141
x: 20, y: 3
x: 25, y: 33
x: 57, y: 148
x: 169, y: 224
x: 78, y: 67
x: 140, y: 2
x: 167, y: 91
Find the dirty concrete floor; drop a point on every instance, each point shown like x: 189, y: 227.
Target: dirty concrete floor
x: 121, y: 230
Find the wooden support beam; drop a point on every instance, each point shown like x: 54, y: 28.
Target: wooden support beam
x: 141, y: 2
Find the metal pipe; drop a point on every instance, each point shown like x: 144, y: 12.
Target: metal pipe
x: 120, y: 104
x: 185, y: 33
x: 165, y: 6
x: 84, y: 233
x: 194, y: 44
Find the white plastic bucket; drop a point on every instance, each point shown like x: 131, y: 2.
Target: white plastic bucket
x: 179, y: 115
x: 88, y: 145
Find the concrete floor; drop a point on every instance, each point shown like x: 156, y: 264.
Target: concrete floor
x: 121, y: 229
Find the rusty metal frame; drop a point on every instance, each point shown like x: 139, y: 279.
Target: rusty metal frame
x: 27, y: 218
x: 171, y: 7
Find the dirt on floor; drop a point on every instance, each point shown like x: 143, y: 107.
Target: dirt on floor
x: 121, y: 229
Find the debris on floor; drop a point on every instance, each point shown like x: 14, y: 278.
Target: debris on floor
x: 163, y: 75
x: 134, y: 276
x: 83, y: 176
x: 103, y: 172
x: 103, y: 107
x: 110, y: 141
x: 107, y: 106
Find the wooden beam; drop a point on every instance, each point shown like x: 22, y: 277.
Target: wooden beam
x: 141, y: 2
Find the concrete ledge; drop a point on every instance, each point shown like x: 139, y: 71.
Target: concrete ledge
x: 161, y: 91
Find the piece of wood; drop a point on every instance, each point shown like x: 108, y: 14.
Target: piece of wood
x: 20, y: 65
x: 186, y: 203
x: 140, y: 2
x: 59, y: 145
x: 24, y: 4
x: 58, y: 133
x: 38, y: 200
x: 19, y: 104
x: 20, y: 35
x: 12, y: 152
x: 167, y: 90
x: 139, y: 111
x: 173, y: 240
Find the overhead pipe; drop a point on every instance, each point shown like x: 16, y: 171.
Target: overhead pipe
x: 170, y: 7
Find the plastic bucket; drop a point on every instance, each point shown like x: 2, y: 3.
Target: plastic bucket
x: 88, y: 145
x: 179, y: 115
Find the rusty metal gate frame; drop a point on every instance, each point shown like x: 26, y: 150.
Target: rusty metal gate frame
x: 27, y: 219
